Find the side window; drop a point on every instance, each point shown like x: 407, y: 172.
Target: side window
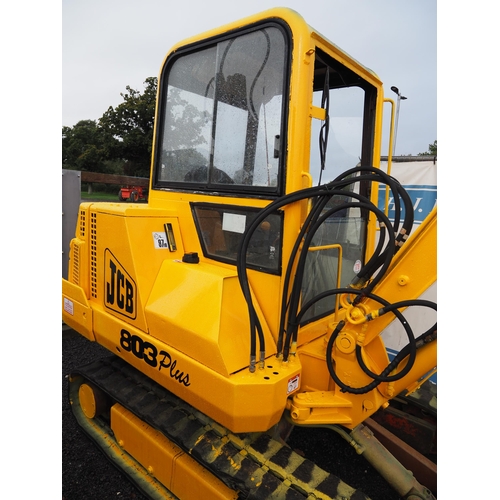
x: 221, y: 228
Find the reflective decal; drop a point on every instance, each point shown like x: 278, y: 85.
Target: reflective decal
x: 68, y: 306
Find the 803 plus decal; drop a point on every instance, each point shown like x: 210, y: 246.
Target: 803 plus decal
x: 149, y: 354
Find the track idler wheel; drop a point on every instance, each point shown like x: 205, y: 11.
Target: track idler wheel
x: 93, y: 401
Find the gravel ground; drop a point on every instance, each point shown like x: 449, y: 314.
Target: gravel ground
x: 88, y: 475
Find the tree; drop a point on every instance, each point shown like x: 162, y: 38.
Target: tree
x: 121, y: 141
x: 433, y: 150
x: 82, y: 147
x: 127, y: 130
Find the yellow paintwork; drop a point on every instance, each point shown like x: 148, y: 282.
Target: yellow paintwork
x: 76, y: 310
x: 165, y: 461
x: 243, y: 401
x: 87, y: 401
x: 413, y: 270
x: 186, y: 325
x: 187, y: 309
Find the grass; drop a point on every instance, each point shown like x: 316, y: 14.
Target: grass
x: 99, y: 196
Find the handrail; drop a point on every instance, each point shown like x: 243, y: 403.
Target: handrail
x: 389, y: 156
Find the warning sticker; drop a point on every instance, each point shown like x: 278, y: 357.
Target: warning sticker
x: 68, y: 306
x: 160, y: 241
x: 357, y: 266
x: 293, y: 384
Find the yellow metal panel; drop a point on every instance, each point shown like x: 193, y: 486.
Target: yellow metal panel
x: 165, y: 461
x: 76, y: 311
x: 322, y: 402
x: 199, y: 308
x: 126, y: 245
x: 133, y: 210
x: 412, y: 271
x: 243, y: 402
x: 266, y: 290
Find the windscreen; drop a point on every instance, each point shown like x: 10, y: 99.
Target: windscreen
x: 222, y: 115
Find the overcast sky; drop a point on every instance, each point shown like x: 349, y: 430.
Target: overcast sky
x: 109, y: 44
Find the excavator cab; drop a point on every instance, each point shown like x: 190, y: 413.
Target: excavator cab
x: 248, y: 286
x: 246, y: 117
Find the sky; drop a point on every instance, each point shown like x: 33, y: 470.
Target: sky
x: 108, y: 45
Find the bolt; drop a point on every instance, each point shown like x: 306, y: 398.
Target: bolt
x: 345, y: 342
x: 403, y: 280
x: 367, y: 404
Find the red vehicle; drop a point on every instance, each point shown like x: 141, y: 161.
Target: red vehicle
x: 133, y: 193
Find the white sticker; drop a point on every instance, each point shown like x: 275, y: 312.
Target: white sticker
x: 68, y: 306
x: 293, y: 384
x: 357, y: 266
x: 160, y: 241
x: 234, y: 222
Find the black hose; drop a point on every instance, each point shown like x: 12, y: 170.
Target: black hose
x: 384, y: 376
x: 405, y: 351
x: 295, y: 298
x: 242, y: 252
x: 320, y: 195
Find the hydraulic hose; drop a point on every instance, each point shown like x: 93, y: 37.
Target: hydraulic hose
x: 409, y: 350
x: 295, y: 298
x: 364, y: 281
x: 241, y: 261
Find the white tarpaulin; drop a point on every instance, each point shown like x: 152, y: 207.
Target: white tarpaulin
x: 418, y: 175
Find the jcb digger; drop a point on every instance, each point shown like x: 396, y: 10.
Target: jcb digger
x: 251, y: 292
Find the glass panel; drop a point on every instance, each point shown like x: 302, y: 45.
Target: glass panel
x: 221, y: 228
x: 222, y: 119
x: 322, y: 266
x: 345, y: 133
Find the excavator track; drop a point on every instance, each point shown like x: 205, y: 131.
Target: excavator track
x: 254, y: 465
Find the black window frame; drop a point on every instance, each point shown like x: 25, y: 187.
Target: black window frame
x: 236, y: 209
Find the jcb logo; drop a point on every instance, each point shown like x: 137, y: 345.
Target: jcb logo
x: 121, y: 291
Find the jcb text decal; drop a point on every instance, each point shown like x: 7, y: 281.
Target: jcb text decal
x: 149, y: 354
x: 121, y: 291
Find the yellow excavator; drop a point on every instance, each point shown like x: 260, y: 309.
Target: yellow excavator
x: 251, y: 293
